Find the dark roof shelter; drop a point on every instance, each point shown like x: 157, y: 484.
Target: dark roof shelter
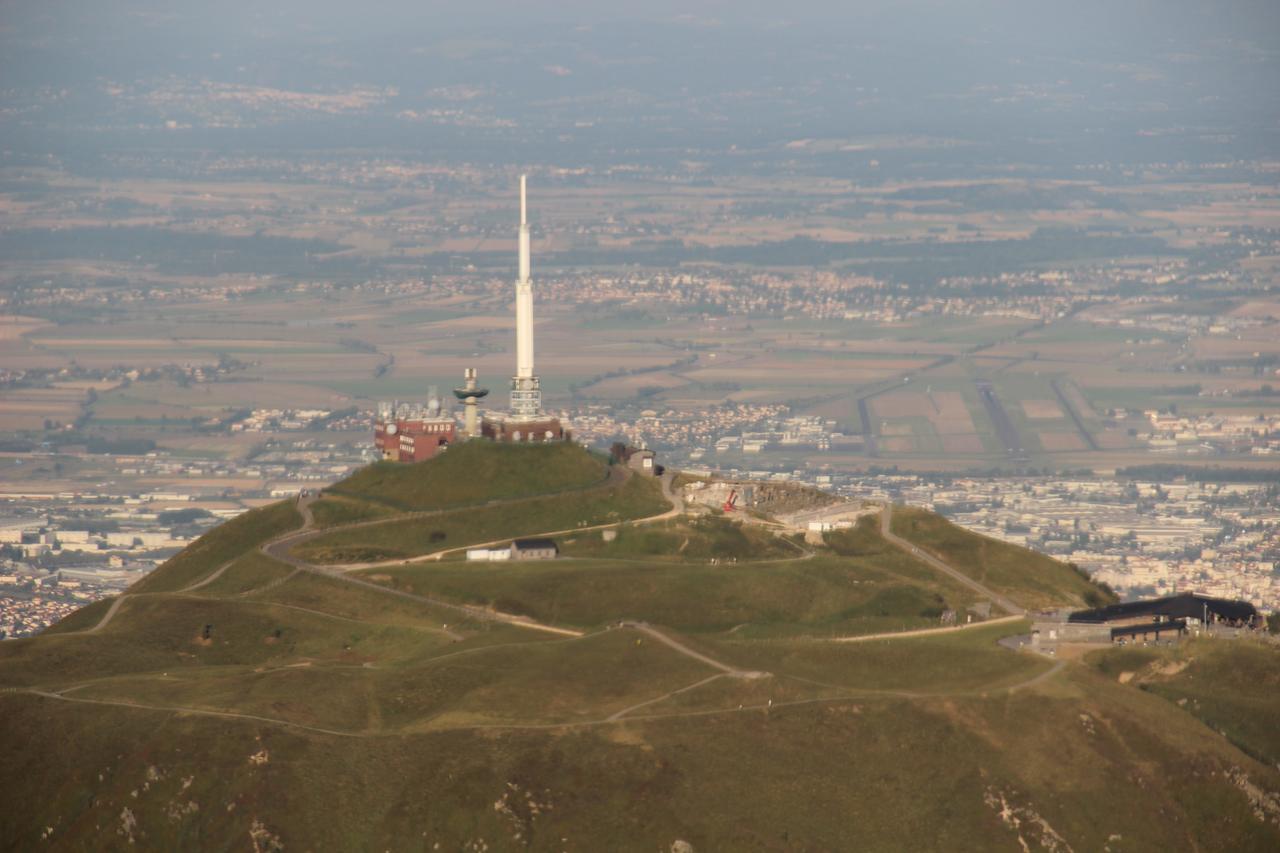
x: 1149, y: 629
x: 536, y: 544
x: 1188, y: 605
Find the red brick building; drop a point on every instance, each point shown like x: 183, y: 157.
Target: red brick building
x: 412, y: 433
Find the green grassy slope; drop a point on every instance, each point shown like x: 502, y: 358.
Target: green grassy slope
x: 1232, y: 686
x: 679, y: 540
x: 1031, y: 579
x: 320, y: 714
x: 879, y: 589
x: 224, y: 543
x: 332, y: 510
x: 637, y: 497
x: 252, y: 571
x: 348, y: 601
x: 1087, y: 763
x: 81, y: 620
x: 474, y: 472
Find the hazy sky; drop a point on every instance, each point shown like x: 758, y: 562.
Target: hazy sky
x: 594, y: 78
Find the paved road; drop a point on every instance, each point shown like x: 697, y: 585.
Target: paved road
x: 304, y: 507
x: 1073, y: 414
x: 1005, y: 430
x: 106, y: 617
x: 280, y: 548
x: 925, y: 632
x: 886, y: 530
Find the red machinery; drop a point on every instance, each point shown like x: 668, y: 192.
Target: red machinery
x: 732, y: 503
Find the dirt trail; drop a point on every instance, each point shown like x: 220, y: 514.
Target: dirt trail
x: 279, y: 550
x: 621, y: 717
x: 664, y: 697
x: 680, y: 647
x: 202, y: 712
x: 677, y: 508
x: 886, y: 525
x: 925, y: 632
x: 304, y: 508
x: 281, y: 547
x: 106, y: 617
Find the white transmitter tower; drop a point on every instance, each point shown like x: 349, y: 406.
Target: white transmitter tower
x: 526, y: 392
x: 526, y: 421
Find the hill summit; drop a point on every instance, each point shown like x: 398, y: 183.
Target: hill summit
x: 333, y: 673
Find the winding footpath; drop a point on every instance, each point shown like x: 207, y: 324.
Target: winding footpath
x: 623, y: 716
x: 886, y: 530
x: 645, y: 628
x: 280, y: 549
x: 669, y: 493
x: 925, y: 632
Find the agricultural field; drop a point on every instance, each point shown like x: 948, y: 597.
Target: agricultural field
x: 876, y: 306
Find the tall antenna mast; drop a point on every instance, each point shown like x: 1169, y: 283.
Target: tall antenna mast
x: 524, y: 236
x: 526, y: 393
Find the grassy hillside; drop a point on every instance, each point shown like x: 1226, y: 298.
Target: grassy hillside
x: 224, y: 543
x: 278, y: 707
x: 1232, y: 686
x: 685, y: 539
x: 332, y: 510
x: 882, y: 589
x: 1031, y: 579
x: 81, y: 620
x: 637, y: 497
x: 391, y: 758
x: 469, y: 473
x: 252, y: 571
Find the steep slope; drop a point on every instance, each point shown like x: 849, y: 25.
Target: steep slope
x: 1031, y: 579
x: 512, y: 747
x: 1233, y: 687
x: 471, y: 473
x: 243, y: 701
x: 397, y: 537
x: 807, y: 593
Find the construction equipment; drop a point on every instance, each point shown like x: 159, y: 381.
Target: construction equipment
x: 731, y: 503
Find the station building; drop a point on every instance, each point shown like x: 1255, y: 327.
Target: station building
x: 502, y: 427
x: 411, y: 432
x: 534, y: 549
x: 1156, y: 619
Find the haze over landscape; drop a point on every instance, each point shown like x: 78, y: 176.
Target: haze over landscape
x: 958, y: 321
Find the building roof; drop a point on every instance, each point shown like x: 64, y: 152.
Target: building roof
x: 1157, y: 628
x: 1186, y: 605
x: 534, y: 544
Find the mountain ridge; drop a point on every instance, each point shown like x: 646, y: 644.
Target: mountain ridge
x: 621, y: 697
